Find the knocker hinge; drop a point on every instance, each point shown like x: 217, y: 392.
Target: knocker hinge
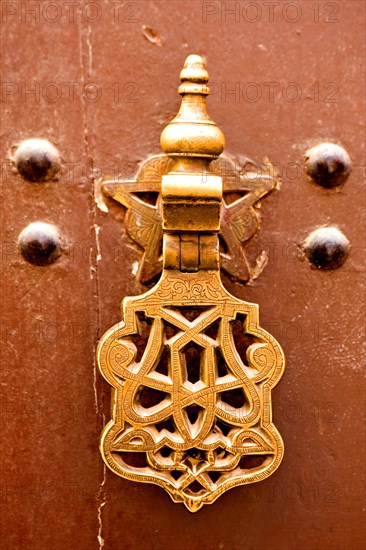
x: 191, y: 252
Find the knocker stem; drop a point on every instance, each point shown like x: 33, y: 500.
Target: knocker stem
x: 191, y: 192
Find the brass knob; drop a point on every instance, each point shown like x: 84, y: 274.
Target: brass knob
x: 192, y: 133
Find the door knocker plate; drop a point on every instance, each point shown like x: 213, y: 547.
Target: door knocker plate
x: 243, y: 186
x: 190, y: 367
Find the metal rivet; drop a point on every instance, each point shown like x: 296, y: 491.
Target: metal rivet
x: 327, y: 248
x: 328, y: 164
x: 40, y: 243
x: 37, y: 160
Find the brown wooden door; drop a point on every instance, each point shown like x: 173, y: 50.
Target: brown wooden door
x: 98, y: 80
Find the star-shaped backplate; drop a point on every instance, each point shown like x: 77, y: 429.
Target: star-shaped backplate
x: 242, y: 189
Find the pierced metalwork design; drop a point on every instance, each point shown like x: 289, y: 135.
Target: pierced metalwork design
x: 239, y: 219
x: 192, y: 413
x: 191, y: 369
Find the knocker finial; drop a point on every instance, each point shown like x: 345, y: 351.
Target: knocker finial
x: 192, y: 133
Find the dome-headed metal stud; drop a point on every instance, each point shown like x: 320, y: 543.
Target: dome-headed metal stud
x: 328, y: 164
x: 327, y: 248
x: 37, y: 160
x: 40, y: 243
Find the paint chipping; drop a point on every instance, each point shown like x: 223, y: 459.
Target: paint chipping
x: 103, y: 503
x: 272, y: 172
x: 99, y: 198
x: 135, y: 267
x: 260, y: 264
x: 151, y: 35
x: 90, y: 50
x: 93, y: 266
x: 97, y: 231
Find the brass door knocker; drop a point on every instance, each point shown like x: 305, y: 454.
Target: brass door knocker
x: 190, y: 412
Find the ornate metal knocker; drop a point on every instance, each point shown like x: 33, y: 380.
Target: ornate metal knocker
x: 189, y: 411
